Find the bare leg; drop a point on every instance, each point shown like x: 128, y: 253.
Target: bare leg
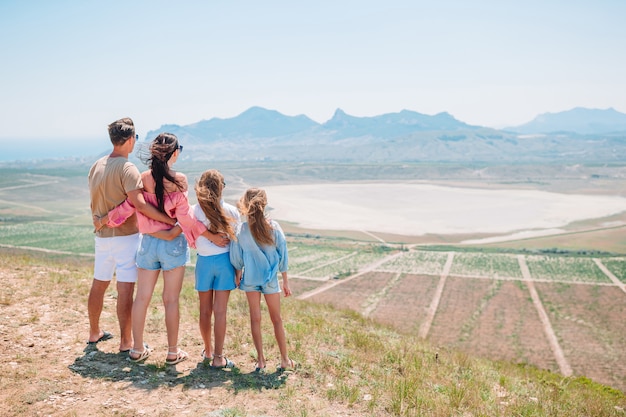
x: 273, y: 305
x: 219, y: 311
x: 254, y: 306
x: 94, y: 307
x: 172, y: 284
x: 124, y: 313
x: 206, y: 311
x: 146, y: 281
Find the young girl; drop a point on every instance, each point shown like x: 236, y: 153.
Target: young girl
x: 215, y: 275
x: 260, y: 250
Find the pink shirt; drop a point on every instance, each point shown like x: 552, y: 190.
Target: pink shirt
x: 176, y: 206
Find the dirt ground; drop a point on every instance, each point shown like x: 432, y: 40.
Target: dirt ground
x: 47, y: 369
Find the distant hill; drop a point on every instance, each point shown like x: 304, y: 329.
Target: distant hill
x: 390, y: 125
x: 578, y: 120
x: 578, y: 135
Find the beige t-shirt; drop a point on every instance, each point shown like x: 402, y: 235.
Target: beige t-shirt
x: 110, y: 180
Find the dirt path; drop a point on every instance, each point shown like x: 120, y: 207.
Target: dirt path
x: 60, y: 252
x: 432, y: 309
x: 365, y: 232
x: 564, y: 366
x: 37, y: 184
x: 609, y: 274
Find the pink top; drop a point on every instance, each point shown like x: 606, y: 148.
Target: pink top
x: 176, y: 206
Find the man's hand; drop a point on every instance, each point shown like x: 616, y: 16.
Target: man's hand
x: 99, y: 222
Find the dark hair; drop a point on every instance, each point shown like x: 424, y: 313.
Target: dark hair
x: 209, y: 195
x: 161, y: 150
x: 121, y: 130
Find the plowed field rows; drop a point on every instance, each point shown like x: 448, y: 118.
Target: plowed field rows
x: 300, y: 286
x: 354, y: 294
x: 405, y: 304
x: 486, y: 306
x: 590, y: 323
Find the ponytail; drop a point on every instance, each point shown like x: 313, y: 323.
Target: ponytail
x: 161, y: 150
x: 252, y: 205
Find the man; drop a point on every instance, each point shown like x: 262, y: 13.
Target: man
x: 112, y: 179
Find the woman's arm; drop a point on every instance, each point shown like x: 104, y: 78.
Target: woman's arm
x: 147, y: 209
x: 218, y: 239
x: 192, y: 227
x: 170, y: 234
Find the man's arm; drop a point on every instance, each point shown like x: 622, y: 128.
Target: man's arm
x: 148, y: 210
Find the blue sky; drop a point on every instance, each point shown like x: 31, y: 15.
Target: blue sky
x: 71, y: 67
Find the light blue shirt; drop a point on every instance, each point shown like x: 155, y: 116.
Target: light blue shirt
x: 260, y: 264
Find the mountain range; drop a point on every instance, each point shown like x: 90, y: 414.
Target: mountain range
x: 577, y: 135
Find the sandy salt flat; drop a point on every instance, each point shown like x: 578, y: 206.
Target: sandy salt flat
x: 417, y: 209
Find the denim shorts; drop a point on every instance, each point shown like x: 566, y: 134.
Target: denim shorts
x: 270, y: 287
x: 215, y: 272
x: 154, y: 254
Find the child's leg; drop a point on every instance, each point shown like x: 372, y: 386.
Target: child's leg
x: 172, y: 284
x: 273, y: 305
x: 219, y: 311
x: 146, y: 281
x: 254, y: 306
x: 206, y: 310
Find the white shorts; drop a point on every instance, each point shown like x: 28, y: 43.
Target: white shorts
x: 116, y: 254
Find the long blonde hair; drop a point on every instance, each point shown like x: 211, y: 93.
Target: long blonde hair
x: 209, y: 194
x: 252, y: 205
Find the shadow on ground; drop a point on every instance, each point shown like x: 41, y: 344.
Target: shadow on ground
x: 116, y: 367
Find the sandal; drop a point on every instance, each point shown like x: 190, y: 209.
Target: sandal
x: 260, y: 371
x: 181, y: 355
x: 105, y: 336
x: 142, y: 355
x: 205, y: 357
x: 292, y: 366
x: 229, y: 363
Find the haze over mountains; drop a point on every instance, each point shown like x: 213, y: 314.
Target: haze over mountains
x: 577, y: 135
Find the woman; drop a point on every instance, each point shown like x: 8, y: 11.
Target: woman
x: 215, y: 275
x: 166, y: 189
x: 260, y: 250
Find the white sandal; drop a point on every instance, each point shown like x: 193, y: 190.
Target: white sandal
x: 181, y: 355
x: 142, y: 355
